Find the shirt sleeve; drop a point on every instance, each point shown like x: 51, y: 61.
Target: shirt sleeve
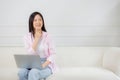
x: 51, y: 50
x: 27, y: 44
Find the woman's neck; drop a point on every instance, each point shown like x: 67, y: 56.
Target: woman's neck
x: 40, y: 31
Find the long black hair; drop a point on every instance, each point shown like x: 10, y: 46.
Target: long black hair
x: 31, y: 19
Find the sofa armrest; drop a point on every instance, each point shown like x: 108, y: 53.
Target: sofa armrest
x: 111, y: 60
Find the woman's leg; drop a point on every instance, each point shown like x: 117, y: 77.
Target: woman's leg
x: 37, y: 74
x: 23, y: 74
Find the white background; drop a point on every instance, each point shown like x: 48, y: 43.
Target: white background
x: 69, y: 22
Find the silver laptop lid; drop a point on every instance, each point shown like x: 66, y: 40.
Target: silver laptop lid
x: 27, y: 61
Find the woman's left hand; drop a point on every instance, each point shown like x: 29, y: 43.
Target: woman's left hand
x: 46, y: 63
x: 43, y: 65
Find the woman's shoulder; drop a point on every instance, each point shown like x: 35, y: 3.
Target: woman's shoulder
x: 28, y: 35
x: 45, y: 34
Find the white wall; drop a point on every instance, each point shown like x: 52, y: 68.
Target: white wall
x: 70, y: 22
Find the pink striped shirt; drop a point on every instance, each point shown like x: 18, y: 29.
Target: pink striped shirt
x: 48, y: 51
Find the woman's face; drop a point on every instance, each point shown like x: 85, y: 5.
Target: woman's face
x: 37, y: 22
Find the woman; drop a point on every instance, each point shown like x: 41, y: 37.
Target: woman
x: 38, y: 42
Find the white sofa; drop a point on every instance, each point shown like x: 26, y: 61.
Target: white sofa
x: 75, y: 63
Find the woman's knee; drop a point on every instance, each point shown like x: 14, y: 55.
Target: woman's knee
x: 22, y: 72
x: 33, y: 72
x: 39, y: 74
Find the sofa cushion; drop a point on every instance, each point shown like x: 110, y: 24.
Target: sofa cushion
x: 84, y: 73
x: 8, y: 74
x: 80, y: 56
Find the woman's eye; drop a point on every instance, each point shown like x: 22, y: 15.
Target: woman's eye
x: 40, y: 19
x: 35, y: 19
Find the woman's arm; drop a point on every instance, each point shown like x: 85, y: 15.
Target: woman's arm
x: 31, y: 48
x: 35, y: 44
x: 27, y: 42
x: 37, y: 36
x: 50, y: 51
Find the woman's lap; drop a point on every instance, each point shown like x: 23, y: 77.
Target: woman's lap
x: 35, y: 73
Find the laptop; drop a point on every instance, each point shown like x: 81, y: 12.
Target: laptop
x: 27, y: 61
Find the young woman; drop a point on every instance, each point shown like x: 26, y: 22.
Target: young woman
x: 38, y: 42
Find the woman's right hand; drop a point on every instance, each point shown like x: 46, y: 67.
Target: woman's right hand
x: 38, y: 34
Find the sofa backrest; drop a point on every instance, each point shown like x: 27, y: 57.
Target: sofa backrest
x: 80, y: 56
x: 65, y: 56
